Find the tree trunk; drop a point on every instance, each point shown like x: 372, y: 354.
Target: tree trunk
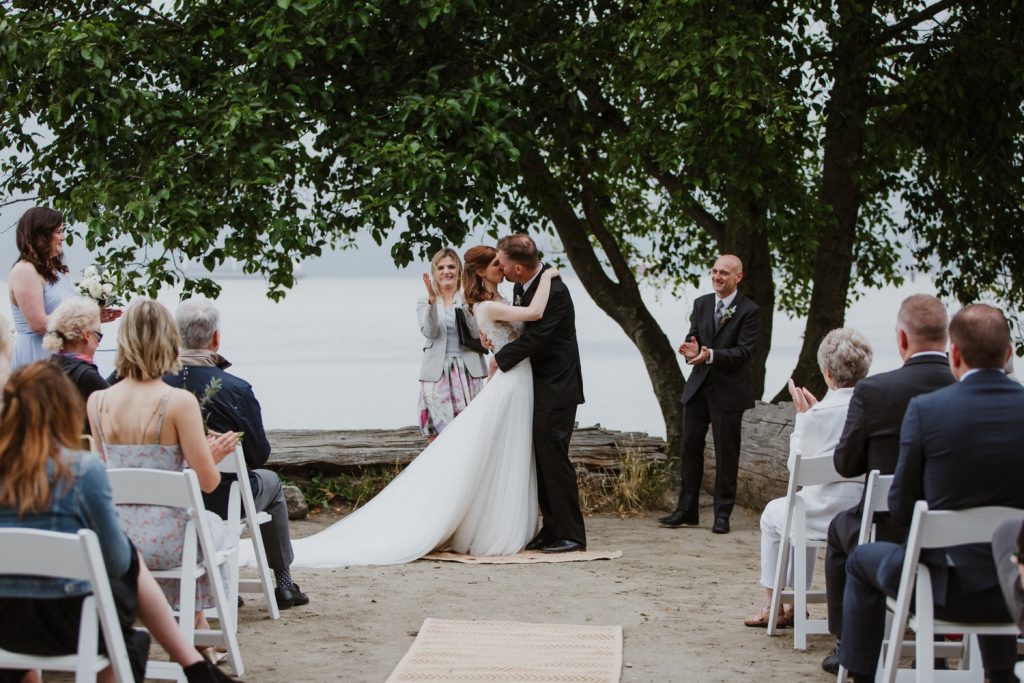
x: 846, y: 115
x: 746, y: 236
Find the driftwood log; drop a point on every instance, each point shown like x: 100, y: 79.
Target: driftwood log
x: 300, y: 453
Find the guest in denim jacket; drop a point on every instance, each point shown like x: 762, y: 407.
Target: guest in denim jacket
x: 45, y: 484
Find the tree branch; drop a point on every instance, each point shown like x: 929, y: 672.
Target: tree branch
x: 16, y: 201
x: 913, y: 20
x: 607, y: 114
x: 595, y: 220
x: 544, y: 188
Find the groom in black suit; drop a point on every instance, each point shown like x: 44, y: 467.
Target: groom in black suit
x: 550, y: 344
x: 723, y: 333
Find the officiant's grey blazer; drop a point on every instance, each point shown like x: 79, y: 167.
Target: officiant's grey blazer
x: 433, y: 328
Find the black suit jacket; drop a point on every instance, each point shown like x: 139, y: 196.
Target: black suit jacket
x: 871, y: 436
x: 550, y: 344
x: 733, y: 344
x: 960, y: 447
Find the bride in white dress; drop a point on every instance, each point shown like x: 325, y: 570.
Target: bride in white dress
x: 474, y: 489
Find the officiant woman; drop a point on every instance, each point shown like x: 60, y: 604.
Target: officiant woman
x: 452, y: 373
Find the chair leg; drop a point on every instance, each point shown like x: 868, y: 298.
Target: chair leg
x: 799, y: 580
x: 88, y: 640
x: 263, y: 567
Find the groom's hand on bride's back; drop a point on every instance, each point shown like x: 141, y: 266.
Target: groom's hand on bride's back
x: 486, y: 341
x: 493, y: 367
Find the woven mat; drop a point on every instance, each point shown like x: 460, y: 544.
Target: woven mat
x: 512, y: 652
x: 525, y: 557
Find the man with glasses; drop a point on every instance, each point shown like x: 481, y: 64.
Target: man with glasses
x: 724, y: 327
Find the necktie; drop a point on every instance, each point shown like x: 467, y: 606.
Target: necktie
x: 718, y: 312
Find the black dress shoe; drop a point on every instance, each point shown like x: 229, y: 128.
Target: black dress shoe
x: 563, y: 545
x: 721, y: 525
x: 538, y: 542
x: 679, y: 518
x: 290, y: 597
x: 831, y: 663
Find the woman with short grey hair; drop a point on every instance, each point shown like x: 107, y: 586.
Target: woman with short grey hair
x: 844, y: 358
x: 73, y: 335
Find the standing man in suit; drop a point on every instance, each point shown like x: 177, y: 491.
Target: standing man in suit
x: 870, y: 439
x: 723, y: 333
x: 550, y: 344
x: 959, y: 448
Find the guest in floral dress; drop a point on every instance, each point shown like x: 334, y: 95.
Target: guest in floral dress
x: 141, y: 422
x: 451, y: 374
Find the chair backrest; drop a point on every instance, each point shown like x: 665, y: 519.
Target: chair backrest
x: 938, y: 529
x: 814, y: 471
x: 876, y: 499
x: 142, y: 486
x: 70, y: 556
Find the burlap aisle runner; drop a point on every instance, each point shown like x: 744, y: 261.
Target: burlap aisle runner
x: 525, y: 557
x: 512, y: 652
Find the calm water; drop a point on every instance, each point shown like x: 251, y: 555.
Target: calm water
x: 345, y: 353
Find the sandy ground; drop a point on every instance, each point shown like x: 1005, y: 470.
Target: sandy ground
x: 679, y: 594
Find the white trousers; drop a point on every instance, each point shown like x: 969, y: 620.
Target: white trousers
x: 772, y: 520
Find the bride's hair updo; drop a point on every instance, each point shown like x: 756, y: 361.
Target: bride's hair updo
x: 473, y: 288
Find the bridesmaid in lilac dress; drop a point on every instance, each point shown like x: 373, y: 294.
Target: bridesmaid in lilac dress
x: 39, y: 282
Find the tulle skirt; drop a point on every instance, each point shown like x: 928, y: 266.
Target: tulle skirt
x: 473, y: 490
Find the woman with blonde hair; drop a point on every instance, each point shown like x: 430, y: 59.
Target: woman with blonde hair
x: 72, y: 336
x: 451, y: 374
x: 143, y: 422
x: 47, y: 483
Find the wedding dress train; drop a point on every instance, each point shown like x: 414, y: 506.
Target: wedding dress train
x: 473, y: 490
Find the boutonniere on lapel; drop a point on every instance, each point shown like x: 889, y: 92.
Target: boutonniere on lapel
x: 518, y: 301
x: 726, y: 314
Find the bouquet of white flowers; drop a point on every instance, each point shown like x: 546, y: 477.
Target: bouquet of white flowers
x: 98, y: 286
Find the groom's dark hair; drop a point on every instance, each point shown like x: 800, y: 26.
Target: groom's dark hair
x: 520, y: 249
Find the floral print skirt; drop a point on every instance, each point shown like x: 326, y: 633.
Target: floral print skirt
x: 442, y: 400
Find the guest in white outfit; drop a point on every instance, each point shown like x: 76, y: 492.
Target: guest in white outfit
x: 844, y: 357
x: 451, y: 374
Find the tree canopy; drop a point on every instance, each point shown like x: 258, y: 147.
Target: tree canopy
x: 821, y: 143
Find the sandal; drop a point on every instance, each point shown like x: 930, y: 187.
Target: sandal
x: 760, y: 620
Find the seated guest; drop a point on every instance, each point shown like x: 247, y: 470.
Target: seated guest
x: 959, y: 449
x: 870, y: 439
x: 46, y: 483
x: 72, y: 335
x: 141, y: 422
x: 233, y: 407
x: 844, y: 358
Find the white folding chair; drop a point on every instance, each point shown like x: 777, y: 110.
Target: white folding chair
x: 140, y: 486
x: 940, y: 529
x: 797, y: 542
x: 240, y: 497
x: 876, y: 499
x: 69, y: 556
